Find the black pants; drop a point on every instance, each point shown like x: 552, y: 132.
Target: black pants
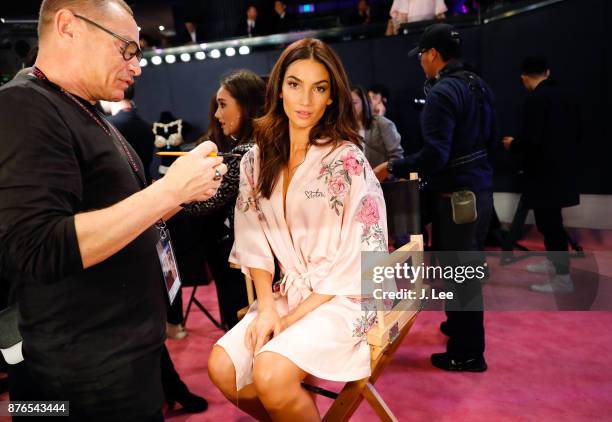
x: 175, y: 311
x: 22, y: 387
x: 549, y: 222
x: 172, y: 384
x: 231, y: 287
x: 465, y: 312
x: 131, y: 392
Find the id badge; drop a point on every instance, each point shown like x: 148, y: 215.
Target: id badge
x: 172, y: 280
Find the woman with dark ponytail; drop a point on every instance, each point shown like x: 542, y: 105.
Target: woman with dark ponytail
x: 238, y: 101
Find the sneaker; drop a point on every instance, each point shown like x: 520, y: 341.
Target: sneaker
x: 543, y: 267
x: 446, y: 362
x: 557, y: 284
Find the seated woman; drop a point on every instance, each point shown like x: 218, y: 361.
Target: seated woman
x: 308, y: 199
x: 239, y: 100
x: 382, y: 141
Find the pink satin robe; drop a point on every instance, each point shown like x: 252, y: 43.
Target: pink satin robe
x: 334, y: 210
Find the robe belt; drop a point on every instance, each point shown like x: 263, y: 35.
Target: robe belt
x: 296, y: 286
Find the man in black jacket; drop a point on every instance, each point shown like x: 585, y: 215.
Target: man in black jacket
x: 282, y: 21
x: 134, y: 128
x: 251, y: 26
x: 458, y: 125
x: 547, y: 146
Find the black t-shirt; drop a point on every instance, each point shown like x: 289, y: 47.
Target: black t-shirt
x: 55, y: 162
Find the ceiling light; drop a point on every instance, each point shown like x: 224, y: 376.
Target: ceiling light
x: 200, y: 55
x: 156, y: 60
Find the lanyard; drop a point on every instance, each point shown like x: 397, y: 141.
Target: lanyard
x: 161, y: 226
x: 107, y: 128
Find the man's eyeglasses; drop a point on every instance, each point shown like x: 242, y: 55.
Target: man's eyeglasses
x: 422, y: 51
x: 131, y: 48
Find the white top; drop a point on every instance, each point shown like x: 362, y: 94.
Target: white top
x: 417, y: 10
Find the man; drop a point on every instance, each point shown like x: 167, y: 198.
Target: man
x: 193, y: 33
x: 250, y: 28
x: 134, y: 128
x: 362, y: 15
x: 281, y: 21
x: 548, y: 148
x: 458, y: 128
x: 77, y: 222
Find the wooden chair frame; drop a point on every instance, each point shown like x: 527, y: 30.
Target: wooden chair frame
x: 384, y: 339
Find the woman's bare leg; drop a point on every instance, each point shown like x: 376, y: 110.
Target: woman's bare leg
x: 223, y: 374
x: 278, y: 385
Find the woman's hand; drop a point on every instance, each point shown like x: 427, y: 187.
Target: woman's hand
x: 261, y: 329
x: 282, y: 324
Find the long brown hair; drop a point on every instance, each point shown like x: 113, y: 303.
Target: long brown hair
x: 214, y: 132
x: 248, y: 89
x: 337, y: 124
x: 366, y: 108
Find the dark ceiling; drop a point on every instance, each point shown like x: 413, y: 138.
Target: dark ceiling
x: 29, y: 8
x: 150, y: 14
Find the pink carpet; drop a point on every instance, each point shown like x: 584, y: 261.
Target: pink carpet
x: 543, y: 366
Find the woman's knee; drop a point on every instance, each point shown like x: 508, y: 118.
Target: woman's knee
x: 221, y: 371
x: 275, y: 378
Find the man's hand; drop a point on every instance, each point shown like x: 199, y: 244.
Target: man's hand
x: 261, y: 329
x: 507, y: 141
x: 191, y: 177
x: 102, y: 233
x: 381, y: 172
